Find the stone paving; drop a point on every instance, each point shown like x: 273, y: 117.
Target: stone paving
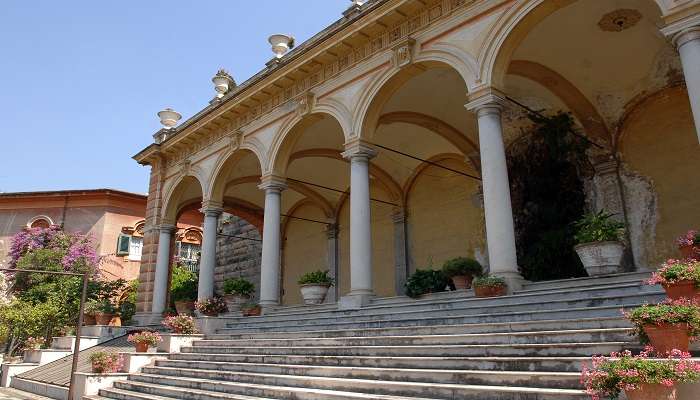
x: 13, y: 394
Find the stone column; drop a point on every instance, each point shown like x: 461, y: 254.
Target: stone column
x: 400, y: 250
x: 688, y: 43
x: 500, y: 232
x: 271, y: 247
x: 333, y: 266
x: 160, y: 283
x: 361, y: 289
x: 207, y: 262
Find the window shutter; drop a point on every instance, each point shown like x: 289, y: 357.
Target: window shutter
x: 123, y: 245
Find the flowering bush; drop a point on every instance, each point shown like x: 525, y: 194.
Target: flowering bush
x: 149, y: 337
x: 622, y: 371
x: 490, y: 281
x: 214, y: 305
x: 691, y: 238
x: 183, y: 324
x: 673, y: 271
x: 77, y: 251
x: 34, y: 343
x: 106, y: 363
x: 681, y: 311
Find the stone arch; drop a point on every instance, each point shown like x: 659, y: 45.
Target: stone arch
x: 225, y: 163
x: 175, y: 197
x: 40, y: 221
x: 510, y: 30
x: 292, y: 130
x: 410, y: 182
x: 381, y: 90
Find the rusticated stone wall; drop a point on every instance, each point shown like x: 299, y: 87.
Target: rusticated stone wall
x: 237, y: 257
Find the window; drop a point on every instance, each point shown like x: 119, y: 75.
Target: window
x: 135, y: 248
x: 40, y: 221
x: 188, y: 255
x: 123, y: 245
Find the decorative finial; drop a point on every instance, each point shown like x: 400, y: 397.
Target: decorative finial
x: 357, y: 3
x: 169, y: 118
x: 223, y: 82
x: 281, y: 44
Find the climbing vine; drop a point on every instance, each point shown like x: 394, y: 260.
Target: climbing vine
x: 546, y: 166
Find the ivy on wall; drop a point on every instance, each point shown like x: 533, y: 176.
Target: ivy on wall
x: 546, y: 165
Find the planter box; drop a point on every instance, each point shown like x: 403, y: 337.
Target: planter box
x: 89, y: 384
x: 600, y: 258
x: 173, y: 342
x: 209, y: 325
x: 10, y: 370
x: 44, y: 356
x: 313, y: 293
x: 133, y: 362
x: 103, y: 331
x: 67, y: 342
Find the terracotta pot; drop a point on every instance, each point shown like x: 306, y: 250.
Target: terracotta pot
x: 462, y: 281
x: 691, y: 252
x: 252, y: 312
x: 682, y: 289
x: 141, y: 347
x: 667, y: 337
x: 89, y: 319
x: 116, y: 321
x: 490, y: 291
x: 184, y: 307
x: 648, y: 391
x: 103, y: 319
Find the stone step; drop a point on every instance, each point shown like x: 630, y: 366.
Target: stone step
x: 342, y: 387
x: 587, y: 281
x: 554, y: 336
x: 500, y: 327
x: 424, y: 320
x: 622, y: 287
x: 120, y: 394
x: 525, y: 349
x: 549, y: 364
x: 431, y: 297
x: 503, y: 304
x: 551, y: 300
x: 238, y: 372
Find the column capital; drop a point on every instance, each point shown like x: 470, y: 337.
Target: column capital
x: 398, y: 215
x: 273, y: 183
x: 211, y: 208
x: 358, y: 149
x: 332, y: 230
x: 686, y: 35
x: 682, y: 30
x: 605, y: 165
x: 167, y: 228
x: 488, y: 100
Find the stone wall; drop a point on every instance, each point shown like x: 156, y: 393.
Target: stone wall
x: 237, y: 257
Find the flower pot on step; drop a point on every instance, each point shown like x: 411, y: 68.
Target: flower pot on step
x: 252, y: 311
x: 184, y: 307
x: 235, y: 301
x: 103, y: 318
x: 682, y: 289
x: 141, y: 347
x: 649, y: 391
x: 462, y: 281
x: 116, y: 321
x: 692, y: 252
x: 667, y: 337
x: 314, y: 293
x: 490, y: 291
x: 600, y: 258
x: 89, y: 319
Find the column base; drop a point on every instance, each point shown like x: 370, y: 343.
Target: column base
x: 514, y: 280
x: 355, y: 300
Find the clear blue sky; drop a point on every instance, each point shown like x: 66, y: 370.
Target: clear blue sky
x: 81, y: 81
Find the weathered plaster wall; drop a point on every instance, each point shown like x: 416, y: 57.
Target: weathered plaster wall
x: 305, y: 250
x: 447, y: 225
x: 659, y: 144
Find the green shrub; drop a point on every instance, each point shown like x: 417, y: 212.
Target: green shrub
x: 484, y: 281
x: 316, y: 278
x: 426, y: 281
x: 239, y: 286
x: 462, y: 266
x: 183, y: 285
x: 598, y: 227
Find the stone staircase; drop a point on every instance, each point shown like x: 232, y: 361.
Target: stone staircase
x: 446, y: 346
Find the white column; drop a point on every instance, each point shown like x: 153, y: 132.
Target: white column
x: 160, y: 283
x: 271, y: 254
x: 500, y: 233
x: 688, y: 43
x: 360, y: 226
x: 207, y: 261
x: 400, y: 250
x: 332, y: 235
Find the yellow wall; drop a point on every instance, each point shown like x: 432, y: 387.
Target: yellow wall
x: 305, y: 250
x: 660, y: 143
x: 443, y: 221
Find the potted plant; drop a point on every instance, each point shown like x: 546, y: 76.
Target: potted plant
x: 106, y: 363
x: 211, y: 307
x: 599, y: 246
x: 490, y: 286
x: 237, y: 291
x: 642, y: 377
x: 105, y: 312
x: 680, y: 279
x: 689, y: 245
x: 668, y: 325
x: 251, y: 309
x: 90, y: 308
x: 144, y: 339
x: 462, y: 271
x: 314, y: 286
x: 425, y: 281
x: 183, y: 290
x: 180, y: 324
x: 33, y: 343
